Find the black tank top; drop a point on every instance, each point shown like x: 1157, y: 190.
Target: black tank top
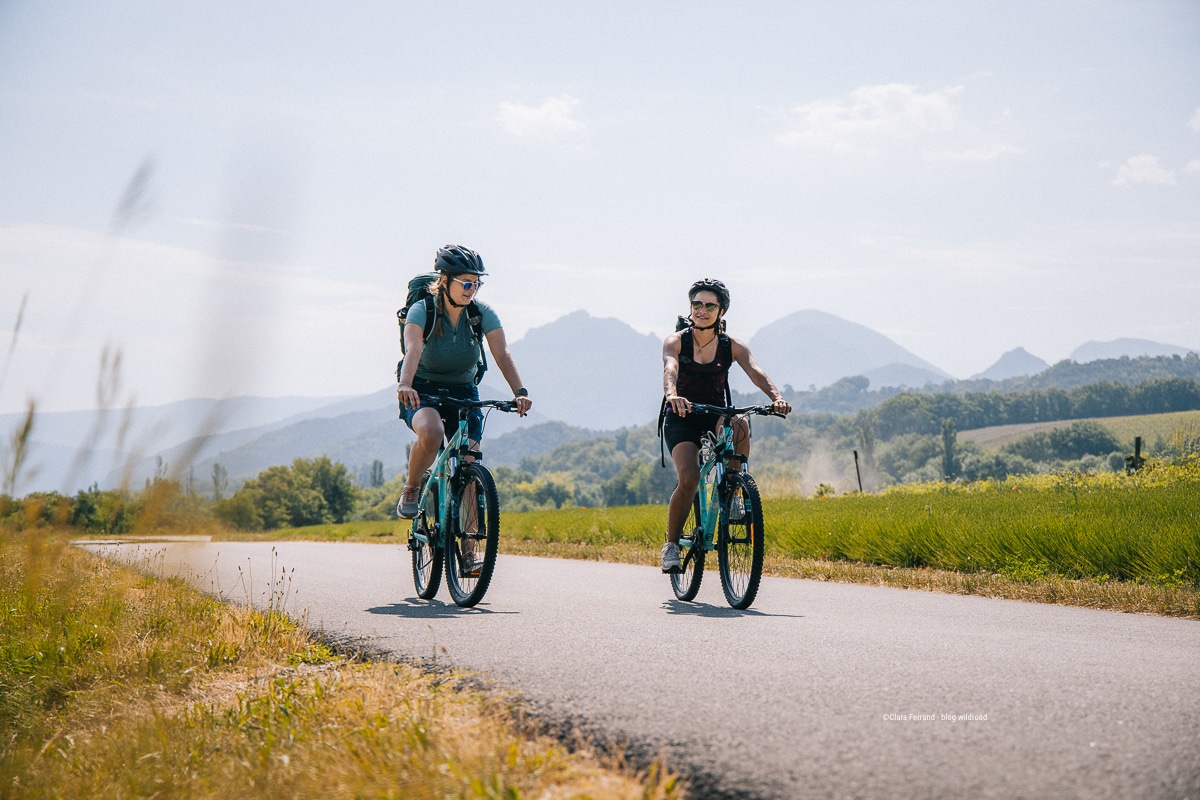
x: 704, y: 383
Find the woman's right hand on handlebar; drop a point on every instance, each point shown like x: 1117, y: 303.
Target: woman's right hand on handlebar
x: 680, y: 405
x: 408, y: 396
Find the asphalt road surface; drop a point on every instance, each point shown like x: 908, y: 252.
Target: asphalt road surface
x: 819, y: 690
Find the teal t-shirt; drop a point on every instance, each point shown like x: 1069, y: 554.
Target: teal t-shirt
x: 450, y: 359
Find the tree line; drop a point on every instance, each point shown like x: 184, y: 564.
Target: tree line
x: 923, y: 413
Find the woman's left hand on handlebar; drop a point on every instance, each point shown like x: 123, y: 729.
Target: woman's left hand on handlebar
x: 523, y: 405
x: 781, y: 406
x: 408, y: 396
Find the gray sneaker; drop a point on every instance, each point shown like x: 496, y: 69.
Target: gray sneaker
x: 670, y: 558
x: 468, y: 566
x: 407, y: 507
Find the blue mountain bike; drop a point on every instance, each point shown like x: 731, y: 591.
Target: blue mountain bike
x: 457, y: 526
x: 726, y: 516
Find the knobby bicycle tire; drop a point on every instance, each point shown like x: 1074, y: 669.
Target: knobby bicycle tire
x: 475, y: 523
x: 740, y: 541
x: 687, y: 583
x: 427, y: 556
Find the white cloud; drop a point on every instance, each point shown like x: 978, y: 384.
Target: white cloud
x: 1192, y: 168
x: 989, y: 152
x: 1144, y: 168
x: 550, y: 120
x: 871, y: 118
x: 1194, y: 122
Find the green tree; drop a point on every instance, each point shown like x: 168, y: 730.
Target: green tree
x: 309, y: 492
x: 949, y: 456
x: 376, y: 474
x: 220, y: 479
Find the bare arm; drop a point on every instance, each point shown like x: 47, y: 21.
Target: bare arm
x: 671, y: 346
x: 498, y: 344
x: 744, y: 358
x: 414, y: 343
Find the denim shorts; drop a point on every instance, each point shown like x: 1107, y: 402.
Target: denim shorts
x: 449, y: 413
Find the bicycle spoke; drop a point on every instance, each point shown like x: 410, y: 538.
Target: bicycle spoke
x: 740, y: 541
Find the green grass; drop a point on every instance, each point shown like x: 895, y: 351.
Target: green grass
x: 115, y: 684
x: 1069, y: 525
x: 1072, y: 529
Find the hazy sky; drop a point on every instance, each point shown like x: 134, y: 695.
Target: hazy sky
x: 231, y: 196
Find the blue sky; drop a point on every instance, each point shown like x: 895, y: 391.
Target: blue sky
x: 964, y: 177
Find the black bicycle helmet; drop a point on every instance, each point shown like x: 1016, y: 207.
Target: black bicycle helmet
x: 710, y: 285
x: 456, y: 260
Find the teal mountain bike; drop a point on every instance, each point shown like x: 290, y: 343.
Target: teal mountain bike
x: 726, y: 516
x: 457, y: 526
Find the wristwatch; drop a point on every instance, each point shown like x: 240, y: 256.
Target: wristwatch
x: 522, y: 392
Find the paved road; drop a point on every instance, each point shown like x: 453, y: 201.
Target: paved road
x: 820, y: 690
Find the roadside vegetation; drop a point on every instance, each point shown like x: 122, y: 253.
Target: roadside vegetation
x: 116, y: 684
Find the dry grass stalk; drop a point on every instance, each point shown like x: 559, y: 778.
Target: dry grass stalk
x: 156, y: 691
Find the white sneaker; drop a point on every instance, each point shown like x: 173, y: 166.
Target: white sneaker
x: 670, y: 558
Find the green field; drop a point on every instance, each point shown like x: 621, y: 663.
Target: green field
x: 1151, y: 427
x: 1069, y: 525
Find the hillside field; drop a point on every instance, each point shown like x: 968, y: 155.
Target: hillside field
x: 1150, y: 427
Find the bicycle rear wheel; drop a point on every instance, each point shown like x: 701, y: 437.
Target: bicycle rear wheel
x: 427, y: 555
x: 740, y: 541
x: 691, y: 553
x: 475, y: 535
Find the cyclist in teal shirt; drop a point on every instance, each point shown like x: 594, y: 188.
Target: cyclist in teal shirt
x: 447, y: 360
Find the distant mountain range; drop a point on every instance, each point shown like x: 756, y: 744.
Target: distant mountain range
x: 1013, y: 364
x: 1125, y: 348
x: 812, y: 349
x: 585, y: 375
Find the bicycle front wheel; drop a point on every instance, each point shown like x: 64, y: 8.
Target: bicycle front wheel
x: 427, y: 555
x: 691, y: 553
x: 475, y: 535
x: 740, y: 540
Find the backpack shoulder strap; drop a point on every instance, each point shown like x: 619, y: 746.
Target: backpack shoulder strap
x: 430, y: 316
x: 475, y: 320
x: 685, y: 346
x: 725, y: 345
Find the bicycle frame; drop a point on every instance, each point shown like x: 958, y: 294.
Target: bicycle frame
x: 715, y: 452
x: 716, y: 449
x: 445, y: 466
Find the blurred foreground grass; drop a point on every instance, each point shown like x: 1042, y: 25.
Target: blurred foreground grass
x: 114, y: 684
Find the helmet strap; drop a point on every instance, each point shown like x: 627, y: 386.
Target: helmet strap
x: 446, y: 292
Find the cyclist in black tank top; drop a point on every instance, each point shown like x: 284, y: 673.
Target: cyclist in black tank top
x: 696, y: 364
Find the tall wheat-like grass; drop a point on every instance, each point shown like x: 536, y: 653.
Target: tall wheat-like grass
x: 114, y: 684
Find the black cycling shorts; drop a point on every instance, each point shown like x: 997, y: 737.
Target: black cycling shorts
x: 678, y: 429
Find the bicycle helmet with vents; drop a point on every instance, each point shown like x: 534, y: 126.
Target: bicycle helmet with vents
x: 454, y: 259
x: 710, y: 285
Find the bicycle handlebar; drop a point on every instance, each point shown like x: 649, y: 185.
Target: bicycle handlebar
x: 441, y: 399
x: 730, y: 411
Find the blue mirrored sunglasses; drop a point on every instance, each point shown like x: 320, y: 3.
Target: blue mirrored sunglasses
x: 468, y: 285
